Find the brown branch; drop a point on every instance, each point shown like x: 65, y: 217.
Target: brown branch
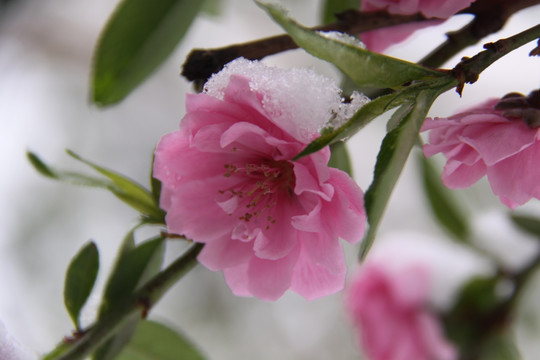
x: 489, y: 17
x: 202, y: 63
x: 469, y: 69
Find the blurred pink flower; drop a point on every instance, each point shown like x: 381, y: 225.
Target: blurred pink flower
x: 390, y: 310
x: 482, y: 141
x: 268, y: 222
x: 380, y: 39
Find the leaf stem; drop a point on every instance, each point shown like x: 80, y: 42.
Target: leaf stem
x: 139, y: 305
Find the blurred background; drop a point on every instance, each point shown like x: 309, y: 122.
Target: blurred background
x: 45, y: 58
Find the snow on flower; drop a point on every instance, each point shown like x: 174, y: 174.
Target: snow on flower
x: 378, y: 40
x: 390, y: 311
x: 483, y: 141
x: 269, y: 223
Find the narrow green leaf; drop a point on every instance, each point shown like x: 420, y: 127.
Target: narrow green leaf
x: 58, y: 351
x: 65, y: 176
x: 133, y: 268
x: 444, y: 206
x: 138, y: 37
x: 80, y: 278
x: 154, y: 341
x: 340, y: 158
x: 360, y: 119
x: 155, y: 184
x: 394, y: 152
x: 332, y: 7
x: 127, y: 190
x: 398, y: 115
x: 366, y: 68
x: 528, y: 224
x: 122, y: 187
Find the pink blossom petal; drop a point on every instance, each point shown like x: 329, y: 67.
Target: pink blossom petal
x: 224, y: 253
x: 433, y: 338
x: 183, y: 215
x: 497, y: 142
x: 313, y: 277
x: 319, y: 250
x: 346, y: 207
x: 249, y: 136
x: 307, y: 182
x: 175, y: 159
x: 278, y: 237
x: 457, y: 175
x: 269, y: 279
x: 380, y: 39
x: 443, y: 9
x: 237, y: 279
x: 406, y: 7
x: 239, y: 92
x: 516, y: 179
x: 411, y: 288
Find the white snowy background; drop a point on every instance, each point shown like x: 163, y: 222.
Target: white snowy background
x: 45, y: 55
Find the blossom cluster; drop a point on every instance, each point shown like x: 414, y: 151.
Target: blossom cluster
x: 272, y: 222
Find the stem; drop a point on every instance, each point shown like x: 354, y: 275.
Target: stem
x: 139, y: 305
x: 469, y: 69
x: 489, y: 17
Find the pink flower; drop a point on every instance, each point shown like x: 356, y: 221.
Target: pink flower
x: 269, y: 223
x: 378, y: 40
x: 481, y: 141
x: 390, y: 310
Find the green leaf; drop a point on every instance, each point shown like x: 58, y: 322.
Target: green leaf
x: 471, y: 320
x: 332, y: 7
x: 360, y: 119
x: 394, y: 152
x: 398, y: 115
x: 138, y: 37
x: 155, y: 184
x: 340, y: 158
x: 212, y: 7
x: 80, y: 278
x: 58, y: 351
x: 65, y: 176
x: 500, y: 348
x: 154, y: 341
x: 122, y: 187
x: 444, y: 206
x: 528, y: 224
x: 364, y: 67
x: 133, y: 268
